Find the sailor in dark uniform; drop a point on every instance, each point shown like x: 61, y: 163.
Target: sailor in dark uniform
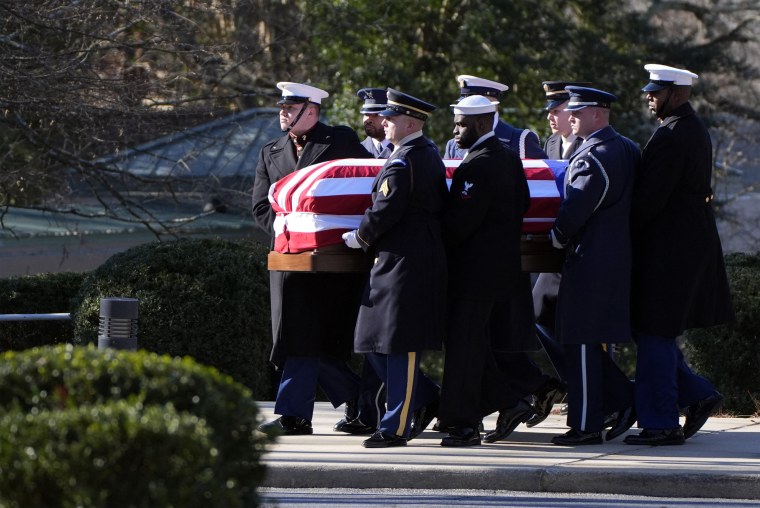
x: 483, y: 223
x: 679, y: 278
x: 375, y: 142
x: 593, y: 306
x: 313, y: 314
x: 521, y: 141
x: 403, y: 309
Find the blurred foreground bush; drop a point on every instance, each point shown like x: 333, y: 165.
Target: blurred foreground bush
x: 84, y: 427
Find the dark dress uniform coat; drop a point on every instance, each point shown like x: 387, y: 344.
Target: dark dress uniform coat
x: 553, y: 146
x: 403, y: 308
x: 312, y: 313
x: 547, y: 284
x: 488, y: 198
x: 523, y: 142
x: 679, y: 279
x: 593, y: 223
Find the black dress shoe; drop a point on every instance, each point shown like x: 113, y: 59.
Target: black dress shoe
x: 288, y: 426
x: 422, y: 417
x: 551, y: 393
x: 355, y: 427
x: 697, y: 414
x: 508, y: 421
x: 462, y: 437
x: 380, y: 440
x: 575, y: 437
x: 652, y: 437
x: 625, y: 420
x: 437, y: 427
x: 351, y: 413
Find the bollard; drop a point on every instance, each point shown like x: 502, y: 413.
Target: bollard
x: 117, y: 327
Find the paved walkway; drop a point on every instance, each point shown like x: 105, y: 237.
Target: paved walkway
x: 721, y: 461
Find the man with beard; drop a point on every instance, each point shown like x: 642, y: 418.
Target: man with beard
x: 679, y: 279
x: 371, y: 404
x: 313, y: 314
x: 375, y: 142
x: 482, y: 225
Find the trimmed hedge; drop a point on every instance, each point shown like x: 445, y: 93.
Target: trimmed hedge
x: 729, y: 355
x: 38, y: 294
x: 108, y: 455
x: 208, y: 299
x: 91, y: 426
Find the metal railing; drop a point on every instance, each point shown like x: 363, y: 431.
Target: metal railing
x: 117, y: 327
x: 55, y: 316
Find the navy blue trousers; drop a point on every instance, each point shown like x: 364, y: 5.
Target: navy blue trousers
x: 300, y: 377
x: 407, y: 389
x: 371, y: 396
x: 664, y: 382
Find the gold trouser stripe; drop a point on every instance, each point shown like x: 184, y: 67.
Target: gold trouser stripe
x: 410, y: 363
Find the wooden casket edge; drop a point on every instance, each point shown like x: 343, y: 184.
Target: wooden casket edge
x: 538, y: 255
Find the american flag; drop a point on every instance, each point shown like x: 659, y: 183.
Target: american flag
x: 315, y: 205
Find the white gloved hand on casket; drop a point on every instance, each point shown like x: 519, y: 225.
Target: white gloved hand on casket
x: 350, y: 239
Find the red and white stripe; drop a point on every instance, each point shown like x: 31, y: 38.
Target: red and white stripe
x: 315, y: 205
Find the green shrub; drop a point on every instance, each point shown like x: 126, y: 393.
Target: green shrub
x: 208, y: 299
x: 729, y: 355
x: 70, y: 386
x: 37, y: 294
x: 109, y: 455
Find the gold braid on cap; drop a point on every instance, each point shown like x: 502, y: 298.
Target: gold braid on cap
x: 394, y: 103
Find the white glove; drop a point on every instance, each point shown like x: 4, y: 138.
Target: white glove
x: 555, y: 242
x: 350, y: 238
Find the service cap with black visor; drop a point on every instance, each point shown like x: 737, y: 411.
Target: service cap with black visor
x: 299, y: 93
x: 671, y: 79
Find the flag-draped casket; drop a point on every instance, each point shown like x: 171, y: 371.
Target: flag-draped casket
x: 315, y: 205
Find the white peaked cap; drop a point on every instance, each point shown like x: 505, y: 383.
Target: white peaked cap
x: 663, y: 73
x: 299, y: 92
x: 474, y: 105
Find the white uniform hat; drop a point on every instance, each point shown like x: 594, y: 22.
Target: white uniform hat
x: 295, y: 93
x: 473, y: 85
x: 662, y: 76
x: 474, y: 105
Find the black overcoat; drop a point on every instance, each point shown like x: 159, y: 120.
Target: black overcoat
x: 593, y: 224
x: 403, y: 308
x: 312, y: 313
x: 679, y: 279
x: 483, y: 224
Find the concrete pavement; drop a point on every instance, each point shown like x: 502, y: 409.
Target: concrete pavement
x: 721, y: 461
